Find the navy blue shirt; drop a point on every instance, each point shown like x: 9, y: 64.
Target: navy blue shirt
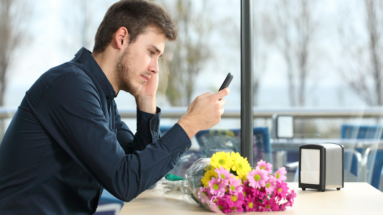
x: 67, y: 142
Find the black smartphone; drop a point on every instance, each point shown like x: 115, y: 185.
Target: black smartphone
x: 227, y: 82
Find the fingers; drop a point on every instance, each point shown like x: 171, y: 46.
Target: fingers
x: 222, y: 93
x: 222, y: 102
x: 205, y: 94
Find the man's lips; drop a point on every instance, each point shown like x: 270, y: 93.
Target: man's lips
x: 146, y: 78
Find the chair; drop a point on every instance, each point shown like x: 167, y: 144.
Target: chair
x: 372, y: 159
x: 381, y: 180
x: 212, y: 141
x: 108, y: 204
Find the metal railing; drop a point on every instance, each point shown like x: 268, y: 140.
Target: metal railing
x: 235, y: 113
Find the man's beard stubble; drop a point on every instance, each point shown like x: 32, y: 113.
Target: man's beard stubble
x: 123, y: 73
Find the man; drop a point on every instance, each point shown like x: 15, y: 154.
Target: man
x: 67, y: 142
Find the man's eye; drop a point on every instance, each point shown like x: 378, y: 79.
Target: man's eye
x: 151, y: 53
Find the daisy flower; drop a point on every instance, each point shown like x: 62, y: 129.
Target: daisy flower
x: 204, y: 194
x: 270, y: 205
x: 280, y: 175
x: 233, y: 209
x: 235, y: 200
x: 250, y: 191
x: 250, y: 204
x: 240, y: 165
x: 283, y: 206
x: 281, y: 190
x: 262, y: 193
x: 221, y: 203
x: 265, y: 166
x: 270, y: 184
x: 216, y: 187
x: 257, y: 178
x: 214, y: 198
x: 208, y: 176
x: 221, y: 159
x: 235, y: 156
x: 235, y: 186
x: 223, y: 175
x: 290, y: 198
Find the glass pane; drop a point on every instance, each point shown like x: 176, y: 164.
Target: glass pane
x: 320, y: 62
x: 207, y: 49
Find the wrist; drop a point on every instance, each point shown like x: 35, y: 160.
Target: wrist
x: 188, y: 126
x: 146, y: 104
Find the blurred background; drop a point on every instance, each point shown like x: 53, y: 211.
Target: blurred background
x: 319, y: 62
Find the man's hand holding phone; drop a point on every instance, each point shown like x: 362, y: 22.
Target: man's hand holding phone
x: 205, y: 111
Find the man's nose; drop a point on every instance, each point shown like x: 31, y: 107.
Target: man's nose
x: 154, y: 68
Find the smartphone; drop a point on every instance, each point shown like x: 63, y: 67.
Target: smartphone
x: 227, y: 82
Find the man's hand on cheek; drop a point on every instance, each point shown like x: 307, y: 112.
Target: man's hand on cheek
x: 146, y: 96
x: 150, y: 88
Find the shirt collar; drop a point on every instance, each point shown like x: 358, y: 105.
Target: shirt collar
x: 84, y: 56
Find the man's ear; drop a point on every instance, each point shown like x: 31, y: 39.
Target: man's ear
x: 121, y: 37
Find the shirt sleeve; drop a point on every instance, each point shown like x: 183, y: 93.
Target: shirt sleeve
x: 147, y: 131
x: 71, y: 111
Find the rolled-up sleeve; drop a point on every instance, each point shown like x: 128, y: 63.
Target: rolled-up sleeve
x: 71, y: 111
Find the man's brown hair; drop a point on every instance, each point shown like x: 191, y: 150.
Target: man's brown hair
x: 136, y: 16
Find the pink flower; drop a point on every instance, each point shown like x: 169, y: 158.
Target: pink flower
x: 250, y: 191
x: 280, y: 190
x: 222, y: 204
x: 235, y: 186
x: 265, y: 166
x: 204, y: 194
x: 290, y: 198
x: 270, y: 205
x: 215, y: 198
x: 257, y: 178
x: 235, y: 200
x: 282, y: 207
x: 223, y: 175
x: 250, y: 204
x: 280, y: 175
x: 270, y: 185
x: 233, y: 209
x: 262, y: 193
x: 216, y: 187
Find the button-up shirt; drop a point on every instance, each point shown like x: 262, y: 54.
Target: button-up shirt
x: 67, y: 142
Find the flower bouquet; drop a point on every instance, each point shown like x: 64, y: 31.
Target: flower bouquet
x: 226, y: 183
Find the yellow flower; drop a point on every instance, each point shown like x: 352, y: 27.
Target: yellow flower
x: 207, y: 177
x: 235, y: 156
x: 221, y: 159
x: 240, y: 165
x: 208, y: 168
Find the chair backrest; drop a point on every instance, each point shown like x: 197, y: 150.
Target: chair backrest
x: 211, y: 141
x: 164, y: 129
x: 372, y: 158
x: 361, y: 132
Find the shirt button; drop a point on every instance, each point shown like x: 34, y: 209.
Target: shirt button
x: 111, y: 93
x: 154, y: 124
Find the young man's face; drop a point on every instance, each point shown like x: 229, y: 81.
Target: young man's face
x: 139, y: 61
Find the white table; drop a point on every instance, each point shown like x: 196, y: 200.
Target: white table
x: 355, y: 198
